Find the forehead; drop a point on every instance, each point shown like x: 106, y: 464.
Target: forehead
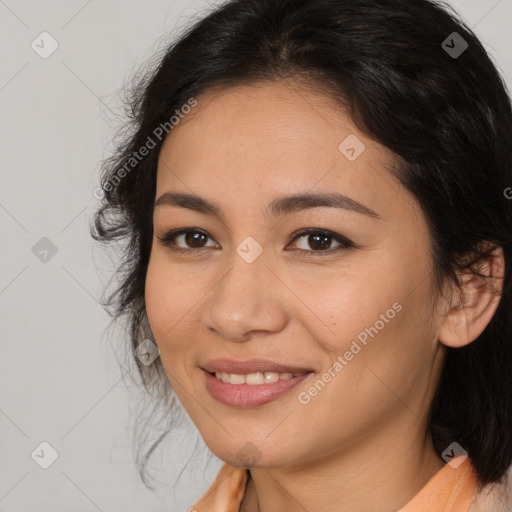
x: 272, y: 139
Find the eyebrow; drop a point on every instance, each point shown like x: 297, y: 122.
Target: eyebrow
x: 280, y: 206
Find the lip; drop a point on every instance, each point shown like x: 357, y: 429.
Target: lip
x: 249, y: 396
x: 251, y: 366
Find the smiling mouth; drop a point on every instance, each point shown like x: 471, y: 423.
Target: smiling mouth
x: 256, y: 378
x: 249, y: 390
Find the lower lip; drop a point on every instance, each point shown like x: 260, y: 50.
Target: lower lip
x: 247, y: 395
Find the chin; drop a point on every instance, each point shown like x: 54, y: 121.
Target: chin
x: 247, y: 454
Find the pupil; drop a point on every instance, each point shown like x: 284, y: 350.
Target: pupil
x: 192, y: 238
x: 324, y: 246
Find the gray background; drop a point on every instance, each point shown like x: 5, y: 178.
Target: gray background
x: 60, y: 379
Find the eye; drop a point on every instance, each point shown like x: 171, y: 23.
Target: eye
x: 193, y: 236
x: 319, y: 240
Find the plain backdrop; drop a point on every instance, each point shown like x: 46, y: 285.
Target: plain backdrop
x: 60, y: 379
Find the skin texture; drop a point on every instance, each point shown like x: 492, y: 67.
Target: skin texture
x: 366, y: 430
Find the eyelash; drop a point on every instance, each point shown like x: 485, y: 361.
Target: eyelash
x: 168, y: 240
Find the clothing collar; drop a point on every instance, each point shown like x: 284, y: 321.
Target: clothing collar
x: 451, y: 489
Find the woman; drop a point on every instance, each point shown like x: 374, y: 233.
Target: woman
x: 319, y: 244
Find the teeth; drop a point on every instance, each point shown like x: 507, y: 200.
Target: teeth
x: 271, y: 377
x: 236, y: 379
x: 253, y: 378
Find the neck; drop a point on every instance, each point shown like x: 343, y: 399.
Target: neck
x: 380, y: 473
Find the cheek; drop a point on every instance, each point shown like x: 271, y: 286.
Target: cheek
x: 165, y: 307
x: 375, y: 317
x: 373, y: 378
x: 340, y: 306
x: 155, y: 296
x: 166, y: 298
x: 172, y: 298
x: 387, y: 361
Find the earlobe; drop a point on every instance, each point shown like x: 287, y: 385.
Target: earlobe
x: 476, y: 302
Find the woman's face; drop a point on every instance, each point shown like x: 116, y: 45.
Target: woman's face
x: 249, y: 296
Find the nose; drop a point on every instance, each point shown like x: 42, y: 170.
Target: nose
x: 247, y: 299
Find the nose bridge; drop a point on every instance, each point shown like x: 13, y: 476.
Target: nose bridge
x: 242, y: 300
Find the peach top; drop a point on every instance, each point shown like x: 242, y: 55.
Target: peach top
x: 451, y: 489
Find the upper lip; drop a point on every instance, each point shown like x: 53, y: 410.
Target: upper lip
x: 250, y: 366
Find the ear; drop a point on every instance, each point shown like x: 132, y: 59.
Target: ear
x: 475, y: 304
